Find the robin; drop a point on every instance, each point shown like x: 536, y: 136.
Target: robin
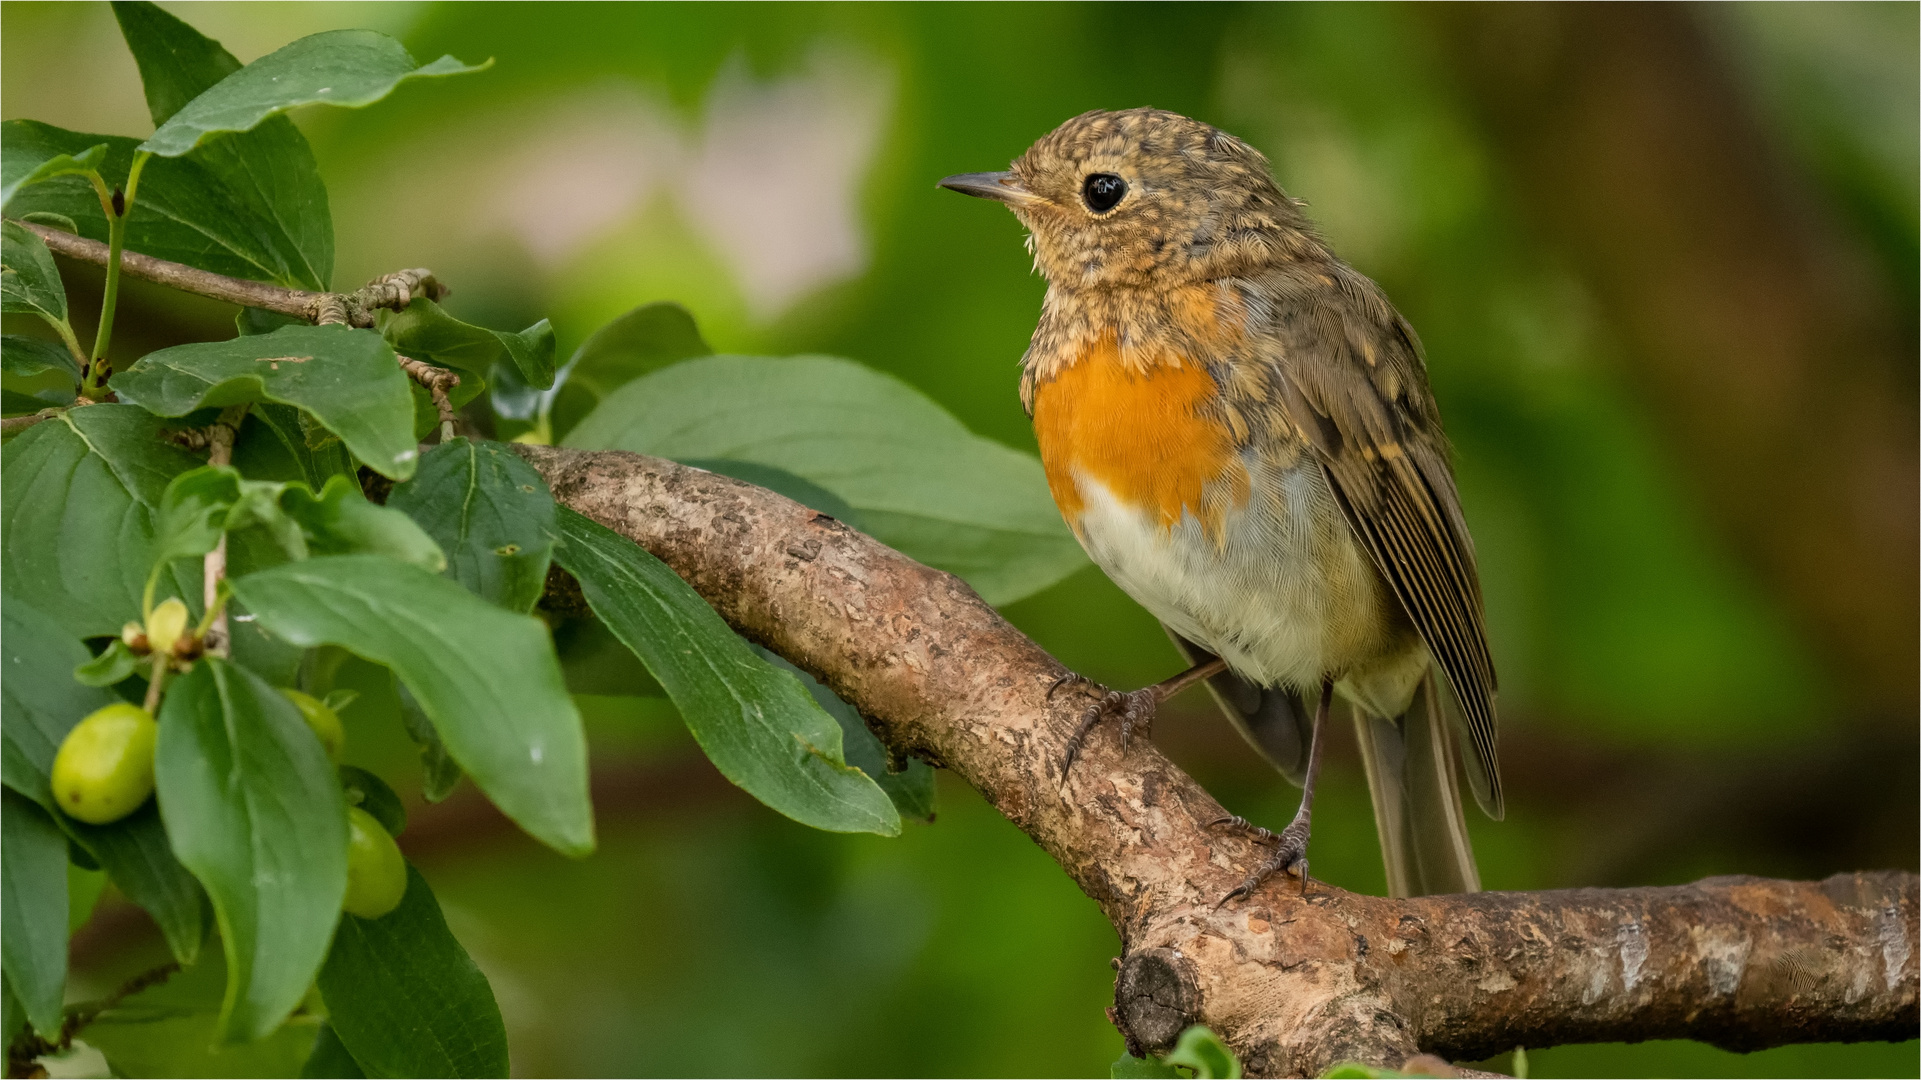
x: 1238, y: 428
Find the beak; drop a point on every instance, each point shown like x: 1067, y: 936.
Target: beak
x: 989, y: 185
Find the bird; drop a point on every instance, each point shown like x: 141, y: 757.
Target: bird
x: 1238, y: 428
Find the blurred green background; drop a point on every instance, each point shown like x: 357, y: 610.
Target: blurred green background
x: 1664, y: 260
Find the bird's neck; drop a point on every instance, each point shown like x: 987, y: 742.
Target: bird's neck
x: 1140, y: 329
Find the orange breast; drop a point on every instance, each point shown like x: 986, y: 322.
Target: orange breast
x: 1144, y: 435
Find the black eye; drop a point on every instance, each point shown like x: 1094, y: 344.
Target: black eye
x: 1102, y: 190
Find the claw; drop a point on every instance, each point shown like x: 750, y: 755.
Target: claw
x: 1134, y: 708
x: 1060, y: 682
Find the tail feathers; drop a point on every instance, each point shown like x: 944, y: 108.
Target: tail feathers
x: 1411, y: 773
x: 1275, y: 722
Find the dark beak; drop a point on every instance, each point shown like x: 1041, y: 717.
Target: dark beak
x: 989, y: 185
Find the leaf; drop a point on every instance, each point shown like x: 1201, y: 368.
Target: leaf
x: 78, y: 495
x: 922, y: 482
x: 406, y: 1000
x: 486, y: 677
x: 194, y: 511
x: 33, y: 910
x: 340, y: 521
x: 30, y: 356
x: 911, y: 789
x: 39, y: 704
x: 138, y: 857
x: 272, y: 445
x: 255, y: 811
x: 1201, y: 1050
x: 647, y: 338
x: 164, y: 1040
x: 439, y: 773
x: 426, y: 332
x: 757, y: 724
x: 1129, y: 1067
x: 203, y: 210
x: 349, y: 68
x: 12, y: 1015
x: 16, y: 173
x: 116, y: 664
x: 39, y: 700
x: 330, y: 1058
x: 269, y: 173
x: 83, y: 892
x: 371, y: 793
x: 347, y: 379
x: 29, y: 281
x: 492, y: 514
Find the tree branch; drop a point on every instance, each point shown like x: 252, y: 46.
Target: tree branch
x: 1294, y: 984
x: 394, y: 291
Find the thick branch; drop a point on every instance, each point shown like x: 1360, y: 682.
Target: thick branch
x: 1294, y: 984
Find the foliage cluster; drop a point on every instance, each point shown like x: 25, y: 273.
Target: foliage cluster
x: 127, y: 551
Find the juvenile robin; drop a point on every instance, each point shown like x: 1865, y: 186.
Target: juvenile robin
x: 1238, y: 427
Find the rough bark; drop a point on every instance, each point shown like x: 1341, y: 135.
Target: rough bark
x: 1294, y: 984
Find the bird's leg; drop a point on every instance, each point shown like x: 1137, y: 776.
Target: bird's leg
x: 1290, y: 846
x: 1135, y: 708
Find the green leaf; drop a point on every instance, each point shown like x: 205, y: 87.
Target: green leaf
x: 1129, y: 1067
x: 486, y: 677
x: 644, y: 339
x: 116, y: 664
x: 138, y: 857
x: 439, y: 773
x: 21, y: 355
x: 757, y: 724
x: 16, y: 173
x: 29, y: 281
x: 911, y: 789
x: 78, y: 495
x: 340, y: 521
x: 39, y: 700
x: 166, y: 1040
x: 491, y: 512
x: 406, y: 999
x: 273, y: 445
x: 426, y: 332
x: 203, y: 210
x: 922, y: 482
x: 255, y: 811
x: 13, y: 1016
x: 269, y: 173
x: 194, y: 511
x: 39, y: 704
x: 1201, y: 1050
x: 330, y: 1059
x: 349, y: 68
x: 83, y: 892
x: 371, y: 793
x: 33, y: 910
x: 347, y: 379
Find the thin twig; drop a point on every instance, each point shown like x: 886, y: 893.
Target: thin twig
x: 14, y: 424
x: 220, y: 438
x: 437, y: 381
x: 393, y: 291
x: 28, y: 1047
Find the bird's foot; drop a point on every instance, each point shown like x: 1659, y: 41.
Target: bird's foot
x: 1290, y: 853
x: 1133, y: 708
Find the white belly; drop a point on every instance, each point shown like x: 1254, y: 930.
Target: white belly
x: 1284, y: 594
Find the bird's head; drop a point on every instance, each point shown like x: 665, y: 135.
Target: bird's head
x: 1145, y: 198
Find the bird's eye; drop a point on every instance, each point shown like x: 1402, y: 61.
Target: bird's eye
x: 1102, y: 191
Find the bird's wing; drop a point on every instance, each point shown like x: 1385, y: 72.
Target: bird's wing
x: 1355, y: 389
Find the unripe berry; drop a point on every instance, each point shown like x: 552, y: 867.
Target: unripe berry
x: 376, y: 874
x: 324, y: 721
x: 166, y: 624
x: 104, y: 769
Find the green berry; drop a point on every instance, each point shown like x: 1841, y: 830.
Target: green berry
x: 104, y: 769
x: 376, y: 874
x: 324, y: 721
